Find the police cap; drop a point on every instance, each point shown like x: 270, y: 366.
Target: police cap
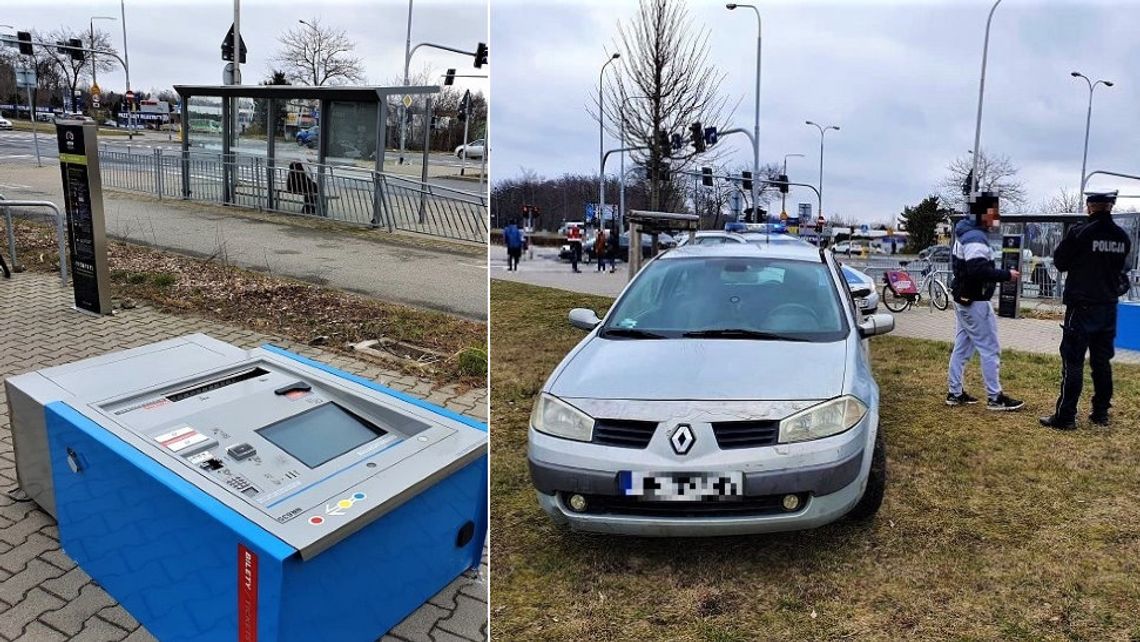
x: 1101, y: 197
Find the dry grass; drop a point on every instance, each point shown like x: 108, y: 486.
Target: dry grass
x: 274, y: 305
x: 993, y: 528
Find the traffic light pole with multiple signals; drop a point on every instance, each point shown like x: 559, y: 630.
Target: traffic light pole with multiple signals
x: 480, y: 56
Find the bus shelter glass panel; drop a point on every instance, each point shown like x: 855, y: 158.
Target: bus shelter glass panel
x: 204, y: 123
x: 352, y: 134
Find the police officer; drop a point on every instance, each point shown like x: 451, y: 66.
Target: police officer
x: 1093, y: 253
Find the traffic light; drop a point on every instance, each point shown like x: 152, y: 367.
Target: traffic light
x: 73, y: 48
x: 783, y: 183
x: 663, y: 143
x: 464, y: 106
x: 676, y: 142
x: 706, y: 176
x: 746, y: 181
x: 710, y: 136
x: 25, y: 40
x: 449, y: 79
x: 480, y: 55
x: 697, y: 135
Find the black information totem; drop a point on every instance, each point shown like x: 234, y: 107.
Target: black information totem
x: 1009, y: 296
x: 86, y: 229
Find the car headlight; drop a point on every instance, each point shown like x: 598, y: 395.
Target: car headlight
x: 823, y: 420
x: 556, y: 417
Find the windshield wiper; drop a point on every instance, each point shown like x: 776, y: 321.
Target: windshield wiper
x: 631, y: 333
x: 740, y: 333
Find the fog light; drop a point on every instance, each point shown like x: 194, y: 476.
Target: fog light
x: 577, y: 503
x: 791, y: 502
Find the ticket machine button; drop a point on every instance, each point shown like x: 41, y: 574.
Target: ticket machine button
x: 241, y: 451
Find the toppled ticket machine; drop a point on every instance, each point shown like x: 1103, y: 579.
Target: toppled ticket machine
x: 224, y: 494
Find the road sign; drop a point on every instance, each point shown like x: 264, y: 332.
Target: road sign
x: 26, y: 78
x: 407, y: 101
x: 228, y: 47
x: 863, y: 229
x: 95, y: 91
x: 805, y: 211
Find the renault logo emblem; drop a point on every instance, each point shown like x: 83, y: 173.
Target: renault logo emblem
x: 682, y: 439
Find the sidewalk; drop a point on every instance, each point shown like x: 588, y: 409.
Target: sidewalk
x: 1025, y: 335
x: 423, y: 277
x: 44, y: 597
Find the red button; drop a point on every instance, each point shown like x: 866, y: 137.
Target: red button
x: 316, y: 520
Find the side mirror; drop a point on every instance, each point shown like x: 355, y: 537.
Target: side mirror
x: 587, y: 320
x: 861, y: 292
x: 876, y: 324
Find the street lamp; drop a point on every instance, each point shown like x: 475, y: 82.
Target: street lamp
x: 822, y: 131
x: 1088, y: 121
x: 756, y: 111
x: 601, y: 142
x: 981, y: 92
x: 784, y: 195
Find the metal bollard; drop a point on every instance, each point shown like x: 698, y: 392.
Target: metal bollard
x: 158, y: 171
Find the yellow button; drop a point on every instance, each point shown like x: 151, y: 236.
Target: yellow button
x: 345, y: 503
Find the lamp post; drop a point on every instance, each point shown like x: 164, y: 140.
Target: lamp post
x: 127, y: 66
x: 94, y: 70
x: 981, y: 93
x: 601, y: 143
x: 822, y: 131
x: 784, y: 195
x: 756, y: 110
x: 1088, y: 122
x: 407, y: 66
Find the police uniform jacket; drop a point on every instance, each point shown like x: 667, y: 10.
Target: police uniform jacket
x: 1093, y: 254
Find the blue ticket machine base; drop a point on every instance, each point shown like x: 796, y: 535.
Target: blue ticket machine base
x: 1128, y: 325
x: 189, y: 563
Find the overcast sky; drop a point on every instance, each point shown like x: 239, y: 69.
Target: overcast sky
x: 900, y: 78
x: 179, y: 42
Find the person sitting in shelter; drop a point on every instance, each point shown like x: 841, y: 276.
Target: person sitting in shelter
x: 4, y: 266
x: 300, y: 183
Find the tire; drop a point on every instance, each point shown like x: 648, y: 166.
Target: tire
x: 938, y: 295
x: 868, y: 505
x: 894, y: 302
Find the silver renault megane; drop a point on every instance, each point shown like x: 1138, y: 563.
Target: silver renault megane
x: 727, y: 391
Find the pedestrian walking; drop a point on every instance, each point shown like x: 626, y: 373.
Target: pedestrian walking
x: 614, y: 243
x: 514, y: 239
x: 1094, y: 256
x: 574, y: 238
x: 600, y: 248
x: 974, y: 281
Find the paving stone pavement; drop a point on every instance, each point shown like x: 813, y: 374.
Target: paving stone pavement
x: 1025, y: 335
x: 43, y: 595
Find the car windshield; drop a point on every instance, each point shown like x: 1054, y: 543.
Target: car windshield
x: 731, y: 298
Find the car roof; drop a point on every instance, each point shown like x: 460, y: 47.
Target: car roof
x: 793, y: 251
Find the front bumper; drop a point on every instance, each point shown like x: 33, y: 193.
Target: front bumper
x: 829, y: 475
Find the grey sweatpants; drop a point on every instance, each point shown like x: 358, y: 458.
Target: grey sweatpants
x: 977, y: 330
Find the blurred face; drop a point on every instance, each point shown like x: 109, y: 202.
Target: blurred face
x: 991, y: 218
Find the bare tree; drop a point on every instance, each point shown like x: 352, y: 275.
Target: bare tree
x: 996, y: 173
x: 316, y: 55
x: 665, y: 72
x: 72, y: 69
x: 1064, y: 201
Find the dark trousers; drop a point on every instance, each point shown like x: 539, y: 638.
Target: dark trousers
x: 4, y: 266
x: 575, y: 254
x: 1092, y: 329
x: 513, y: 254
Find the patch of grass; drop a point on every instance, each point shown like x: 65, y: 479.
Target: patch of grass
x: 473, y: 362
x: 163, y: 280
x: 992, y: 528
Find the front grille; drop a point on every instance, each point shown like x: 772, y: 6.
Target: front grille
x: 746, y: 434
x: 743, y: 507
x: 625, y: 433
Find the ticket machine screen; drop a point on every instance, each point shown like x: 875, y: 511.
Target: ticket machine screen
x: 321, y: 434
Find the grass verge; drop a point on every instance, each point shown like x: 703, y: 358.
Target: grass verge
x: 275, y: 305
x: 992, y: 528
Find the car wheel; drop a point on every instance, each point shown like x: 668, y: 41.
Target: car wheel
x: 872, y: 498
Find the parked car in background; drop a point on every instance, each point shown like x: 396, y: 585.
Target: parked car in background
x: 110, y: 123
x: 309, y: 137
x: 475, y: 149
x: 5, y: 124
x: 45, y: 117
x: 936, y: 254
x: 849, y: 247
x: 860, y: 282
x: 728, y: 391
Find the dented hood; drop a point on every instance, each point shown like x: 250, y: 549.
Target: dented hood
x: 702, y: 369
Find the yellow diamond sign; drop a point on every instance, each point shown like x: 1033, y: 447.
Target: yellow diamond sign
x: 407, y: 100
x: 95, y: 91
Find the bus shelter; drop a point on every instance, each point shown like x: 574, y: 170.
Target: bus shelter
x: 269, y: 146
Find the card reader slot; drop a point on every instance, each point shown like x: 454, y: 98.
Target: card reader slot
x: 215, y: 384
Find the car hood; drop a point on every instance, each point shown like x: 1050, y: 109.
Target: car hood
x: 701, y: 369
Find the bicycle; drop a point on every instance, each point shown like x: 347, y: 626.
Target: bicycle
x: 900, y: 291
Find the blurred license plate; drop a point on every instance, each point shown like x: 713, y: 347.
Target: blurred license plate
x: 682, y: 487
